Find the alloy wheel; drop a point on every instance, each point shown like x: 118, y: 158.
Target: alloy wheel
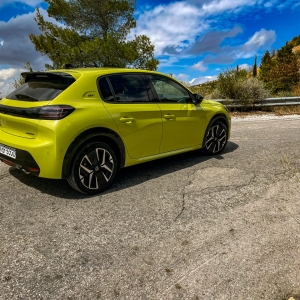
x: 96, y: 168
x: 216, y: 138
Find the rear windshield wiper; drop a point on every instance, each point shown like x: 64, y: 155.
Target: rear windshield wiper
x: 27, y: 97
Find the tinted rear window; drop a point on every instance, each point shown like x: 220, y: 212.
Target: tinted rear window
x: 41, y: 88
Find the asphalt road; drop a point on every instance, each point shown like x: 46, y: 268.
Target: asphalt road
x: 185, y: 227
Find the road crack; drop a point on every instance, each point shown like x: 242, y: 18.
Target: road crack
x: 214, y: 189
x: 183, y: 193
x: 182, y: 208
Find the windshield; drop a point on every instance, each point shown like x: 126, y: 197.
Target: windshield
x: 40, y: 89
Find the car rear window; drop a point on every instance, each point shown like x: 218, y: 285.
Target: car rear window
x: 41, y: 88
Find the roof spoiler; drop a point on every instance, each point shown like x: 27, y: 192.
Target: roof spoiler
x: 58, y: 75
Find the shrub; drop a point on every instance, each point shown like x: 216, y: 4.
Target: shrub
x: 234, y: 84
x: 228, y: 83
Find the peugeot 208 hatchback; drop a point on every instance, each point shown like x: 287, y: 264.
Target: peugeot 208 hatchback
x: 84, y: 124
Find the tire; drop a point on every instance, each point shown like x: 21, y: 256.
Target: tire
x: 215, y: 139
x: 93, y: 169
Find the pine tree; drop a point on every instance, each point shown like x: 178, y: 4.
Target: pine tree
x: 255, y: 67
x: 265, y: 69
x: 285, y: 72
x: 92, y: 33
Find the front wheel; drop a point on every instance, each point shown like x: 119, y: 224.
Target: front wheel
x: 216, y: 139
x: 93, y: 169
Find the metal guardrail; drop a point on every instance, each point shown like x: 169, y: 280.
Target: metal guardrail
x: 266, y: 102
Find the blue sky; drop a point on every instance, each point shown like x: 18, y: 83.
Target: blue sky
x: 194, y: 39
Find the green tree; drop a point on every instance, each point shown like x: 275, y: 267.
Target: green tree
x: 265, y: 69
x: 92, y: 33
x: 254, y: 72
x: 280, y: 73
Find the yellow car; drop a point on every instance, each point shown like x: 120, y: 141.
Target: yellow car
x: 85, y: 124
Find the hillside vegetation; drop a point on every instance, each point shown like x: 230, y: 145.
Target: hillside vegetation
x: 278, y: 75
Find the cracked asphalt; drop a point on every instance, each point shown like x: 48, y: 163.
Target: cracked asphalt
x: 185, y: 227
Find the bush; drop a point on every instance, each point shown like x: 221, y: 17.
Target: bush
x: 228, y: 83
x: 234, y: 84
x: 252, y: 90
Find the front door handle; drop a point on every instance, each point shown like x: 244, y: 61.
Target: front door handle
x: 169, y: 117
x: 126, y: 120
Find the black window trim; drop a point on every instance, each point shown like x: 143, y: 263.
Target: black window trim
x: 157, y: 100
x: 146, y: 83
x: 111, y: 89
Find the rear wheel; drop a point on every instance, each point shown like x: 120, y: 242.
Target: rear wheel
x: 93, y: 169
x: 216, y: 139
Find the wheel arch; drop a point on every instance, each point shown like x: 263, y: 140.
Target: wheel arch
x: 219, y: 117
x: 98, y: 134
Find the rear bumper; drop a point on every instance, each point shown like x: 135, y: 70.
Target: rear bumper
x: 25, y: 162
x: 39, y: 157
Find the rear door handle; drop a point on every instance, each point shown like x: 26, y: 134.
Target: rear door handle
x: 126, y: 120
x: 169, y: 117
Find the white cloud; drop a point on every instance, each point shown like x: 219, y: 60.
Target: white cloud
x: 203, y: 79
x: 216, y: 7
x: 199, y: 66
x: 7, y: 77
x: 181, y: 29
x: 245, y: 66
x: 176, y: 24
x: 262, y: 39
x: 8, y: 73
x: 182, y: 77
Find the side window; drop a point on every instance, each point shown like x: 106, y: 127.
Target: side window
x: 169, y: 91
x: 129, y: 88
x: 105, y: 91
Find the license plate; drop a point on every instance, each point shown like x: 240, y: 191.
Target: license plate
x: 8, y: 151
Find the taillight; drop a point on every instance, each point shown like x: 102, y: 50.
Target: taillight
x: 54, y: 112
x: 49, y: 112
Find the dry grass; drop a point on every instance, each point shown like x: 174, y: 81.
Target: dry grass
x: 286, y: 110
x: 276, y: 111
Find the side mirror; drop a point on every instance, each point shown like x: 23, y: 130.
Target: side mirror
x: 197, y: 98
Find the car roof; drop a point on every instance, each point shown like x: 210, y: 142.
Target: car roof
x: 102, y: 71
